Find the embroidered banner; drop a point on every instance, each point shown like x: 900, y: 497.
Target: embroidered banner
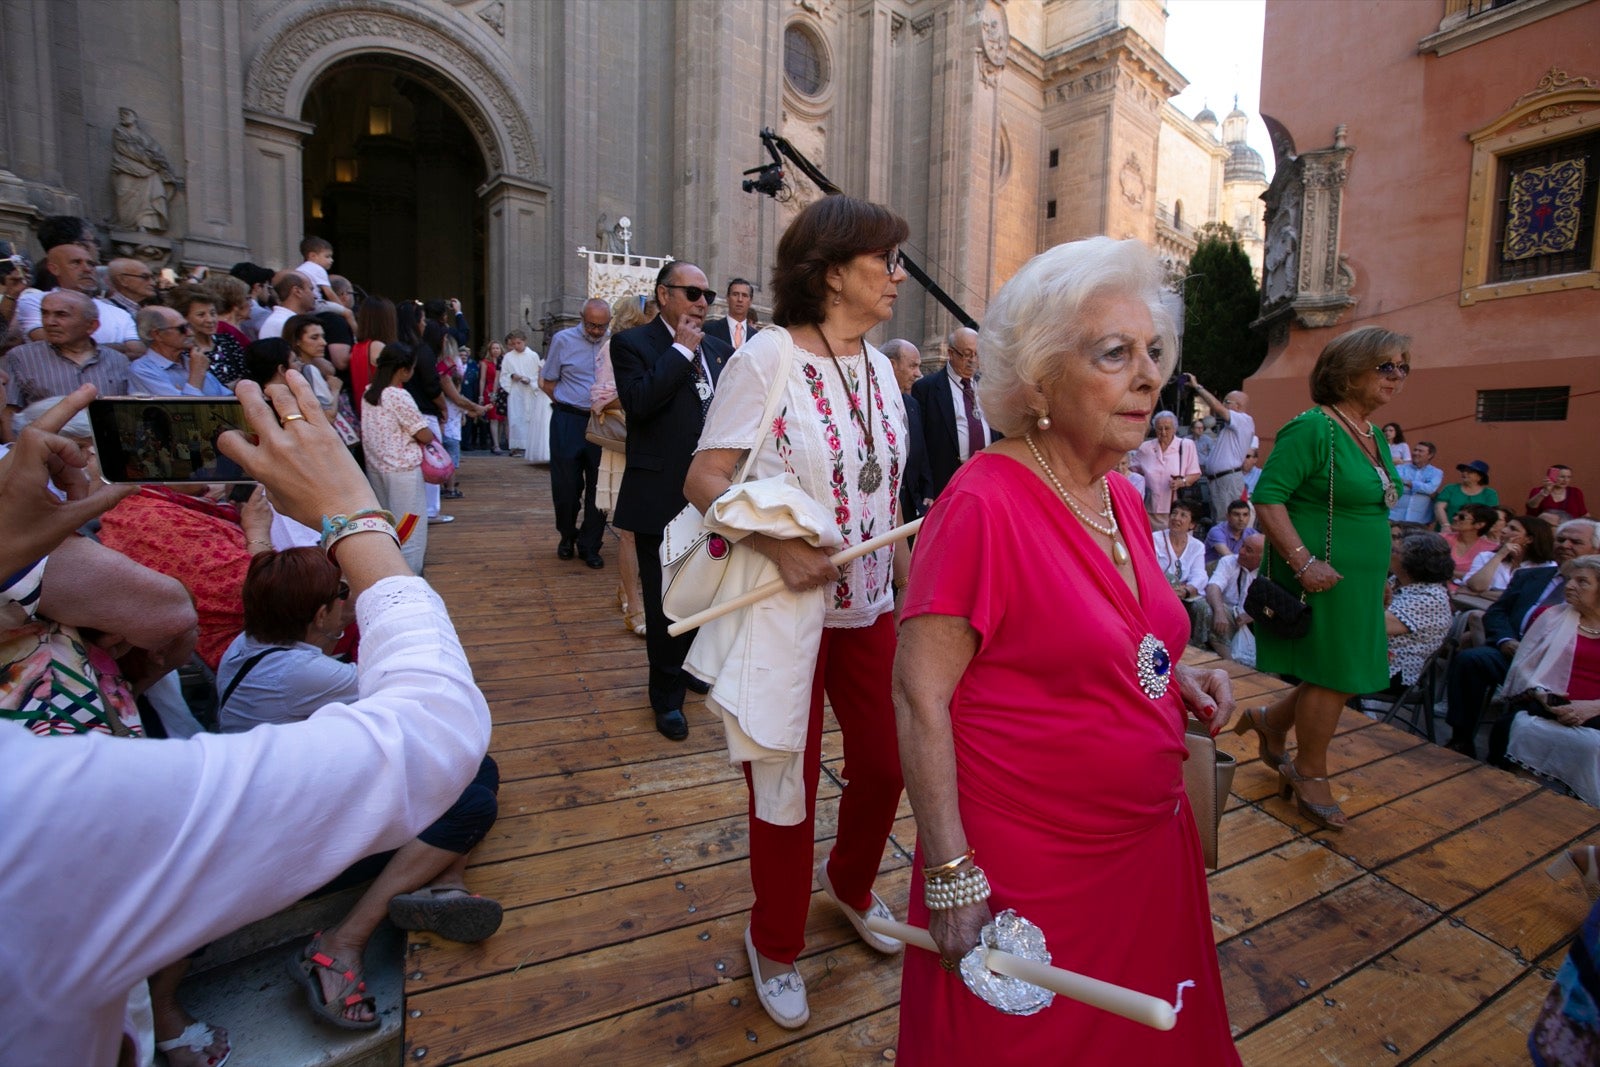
x: 1542, y: 213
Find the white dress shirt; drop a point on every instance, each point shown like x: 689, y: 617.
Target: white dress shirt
x: 1187, y: 567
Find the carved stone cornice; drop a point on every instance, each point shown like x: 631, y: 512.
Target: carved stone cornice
x: 1123, y: 48
x: 318, y: 33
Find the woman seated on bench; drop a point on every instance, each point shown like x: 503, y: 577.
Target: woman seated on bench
x: 296, y: 607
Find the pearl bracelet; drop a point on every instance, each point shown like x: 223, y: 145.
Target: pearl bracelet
x: 969, y: 886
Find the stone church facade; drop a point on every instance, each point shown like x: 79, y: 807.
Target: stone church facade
x: 471, y: 147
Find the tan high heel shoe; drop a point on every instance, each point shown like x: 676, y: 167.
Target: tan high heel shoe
x: 1256, y: 719
x: 1327, y: 816
x: 1589, y: 874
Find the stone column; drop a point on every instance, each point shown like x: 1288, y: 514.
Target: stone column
x: 516, y: 216
x: 30, y: 162
x: 273, y: 145
x: 213, y: 133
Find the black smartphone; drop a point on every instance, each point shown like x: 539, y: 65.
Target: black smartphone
x: 172, y: 440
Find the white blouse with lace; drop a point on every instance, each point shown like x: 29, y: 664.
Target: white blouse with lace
x: 816, y: 437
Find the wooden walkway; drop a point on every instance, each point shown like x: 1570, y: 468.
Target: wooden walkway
x: 1425, y: 933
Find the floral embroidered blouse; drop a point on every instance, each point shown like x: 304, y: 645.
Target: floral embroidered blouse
x: 816, y: 437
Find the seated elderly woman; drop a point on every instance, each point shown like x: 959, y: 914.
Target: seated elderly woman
x: 1474, y: 528
x: 1554, y: 682
x: 1419, y: 614
x: 1524, y: 542
x: 199, y: 307
x: 279, y: 670
x: 1182, y: 557
x: 1065, y: 784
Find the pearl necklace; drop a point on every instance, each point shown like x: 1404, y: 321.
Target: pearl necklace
x: 1592, y: 631
x: 1119, y: 553
x: 1348, y: 421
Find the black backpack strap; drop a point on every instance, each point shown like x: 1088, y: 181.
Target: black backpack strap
x: 245, y: 669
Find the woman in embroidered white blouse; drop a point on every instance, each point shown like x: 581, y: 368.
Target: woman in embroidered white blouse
x: 840, y: 431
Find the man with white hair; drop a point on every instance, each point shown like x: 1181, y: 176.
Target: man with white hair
x: 1475, y: 672
x: 1236, y: 432
x: 66, y: 357
x: 953, y: 425
x: 133, y: 284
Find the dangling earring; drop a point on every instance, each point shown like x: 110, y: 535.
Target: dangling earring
x: 1043, y: 422
x: 836, y: 299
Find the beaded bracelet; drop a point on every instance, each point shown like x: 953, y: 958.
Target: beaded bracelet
x: 970, y: 886
x: 1307, y: 566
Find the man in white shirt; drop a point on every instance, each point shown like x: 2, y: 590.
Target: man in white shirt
x: 73, y: 266
x: 1223, y: 468
x: 952, y: 419
x: 1229, y: 585
x: 295, y: 297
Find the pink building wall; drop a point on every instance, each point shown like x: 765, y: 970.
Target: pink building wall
x: 1404, y: 217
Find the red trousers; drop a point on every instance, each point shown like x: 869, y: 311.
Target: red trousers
x: 853, y: 670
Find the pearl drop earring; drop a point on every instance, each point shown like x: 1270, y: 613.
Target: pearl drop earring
x: 1043, y: 422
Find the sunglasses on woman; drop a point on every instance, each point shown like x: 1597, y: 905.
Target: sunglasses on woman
x: 1392, y: 370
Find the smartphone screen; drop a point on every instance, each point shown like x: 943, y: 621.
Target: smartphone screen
x: 165, y: 439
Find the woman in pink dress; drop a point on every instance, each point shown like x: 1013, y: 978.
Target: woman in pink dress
x: 1039, y: 701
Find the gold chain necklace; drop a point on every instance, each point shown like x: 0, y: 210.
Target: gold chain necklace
x: 1119, y: 552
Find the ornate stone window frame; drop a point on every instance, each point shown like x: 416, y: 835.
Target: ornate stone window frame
x: 1468, y: 22
x: 1560, y: 107
x: 815, y: 104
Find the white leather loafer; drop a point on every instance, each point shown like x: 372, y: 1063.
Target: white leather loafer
x: 886, y: 945
x: 784, y: 997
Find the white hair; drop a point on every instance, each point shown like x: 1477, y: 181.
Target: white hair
x: 1590, y: 528
x: 77, y: 426
x: 1158, y: 416
x: 1034, y: 319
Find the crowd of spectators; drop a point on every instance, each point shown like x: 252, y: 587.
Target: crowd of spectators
x: 173, y: 612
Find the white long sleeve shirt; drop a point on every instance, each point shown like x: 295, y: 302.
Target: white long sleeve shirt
x: 119, y: 856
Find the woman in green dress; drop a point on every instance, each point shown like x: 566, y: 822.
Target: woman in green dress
x: 1329, y: 473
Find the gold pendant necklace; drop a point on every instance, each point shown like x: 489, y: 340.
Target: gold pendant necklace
x: 1119, y: 552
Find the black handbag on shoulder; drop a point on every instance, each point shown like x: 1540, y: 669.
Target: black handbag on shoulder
x: 1274, y: 607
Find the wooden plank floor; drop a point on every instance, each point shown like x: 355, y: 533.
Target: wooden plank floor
x: 1424, y: 933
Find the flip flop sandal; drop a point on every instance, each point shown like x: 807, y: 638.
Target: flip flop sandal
x: 196, y: 1037
x: 457, y: 917
x: 303, y: 967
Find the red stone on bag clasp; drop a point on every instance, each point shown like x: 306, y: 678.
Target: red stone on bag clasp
x: 716, y: 547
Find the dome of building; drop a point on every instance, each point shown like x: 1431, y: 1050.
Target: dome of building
x: 1207, y: 117
x: 1244, y: 164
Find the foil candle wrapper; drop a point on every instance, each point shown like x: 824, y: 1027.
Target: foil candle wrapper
x: 1009, y: 932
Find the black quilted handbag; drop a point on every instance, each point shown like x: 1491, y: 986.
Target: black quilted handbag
x: 1274, y: 607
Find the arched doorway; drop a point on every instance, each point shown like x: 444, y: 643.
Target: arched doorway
x: 390, y: 176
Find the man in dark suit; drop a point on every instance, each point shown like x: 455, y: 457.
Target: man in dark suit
x: 952, y: 420
x: 1475, y: 672
x: 738, y: 327
x: 914, y: 480
x: 666, y: 373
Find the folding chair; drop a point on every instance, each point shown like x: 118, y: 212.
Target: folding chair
x: 1420, y: 698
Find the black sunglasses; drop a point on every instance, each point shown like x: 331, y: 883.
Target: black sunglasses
x: 694, y: 293
x: 1391, y: 369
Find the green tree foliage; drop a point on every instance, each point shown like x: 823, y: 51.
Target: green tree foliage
x: 1221, y: 300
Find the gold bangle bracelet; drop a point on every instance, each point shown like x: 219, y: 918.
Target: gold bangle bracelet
x: 965, y: 857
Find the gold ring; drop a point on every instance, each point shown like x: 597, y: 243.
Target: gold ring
x: 291, y: 418
x: 948, y: 965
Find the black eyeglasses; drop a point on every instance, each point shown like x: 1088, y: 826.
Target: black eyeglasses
x: 694, y: 293
x: 1392, y: 370
x: 892, y: 260
x: 181, y: 328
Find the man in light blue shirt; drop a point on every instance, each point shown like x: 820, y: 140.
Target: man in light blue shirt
x: 566, y: 378
x: 1419, y: 481
x: 171, y: 367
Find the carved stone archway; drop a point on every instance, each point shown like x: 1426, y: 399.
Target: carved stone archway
x: 309, y: 38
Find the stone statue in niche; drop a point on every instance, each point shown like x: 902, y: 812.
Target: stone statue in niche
x: 1281, y: 262
x: 141, y: 175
